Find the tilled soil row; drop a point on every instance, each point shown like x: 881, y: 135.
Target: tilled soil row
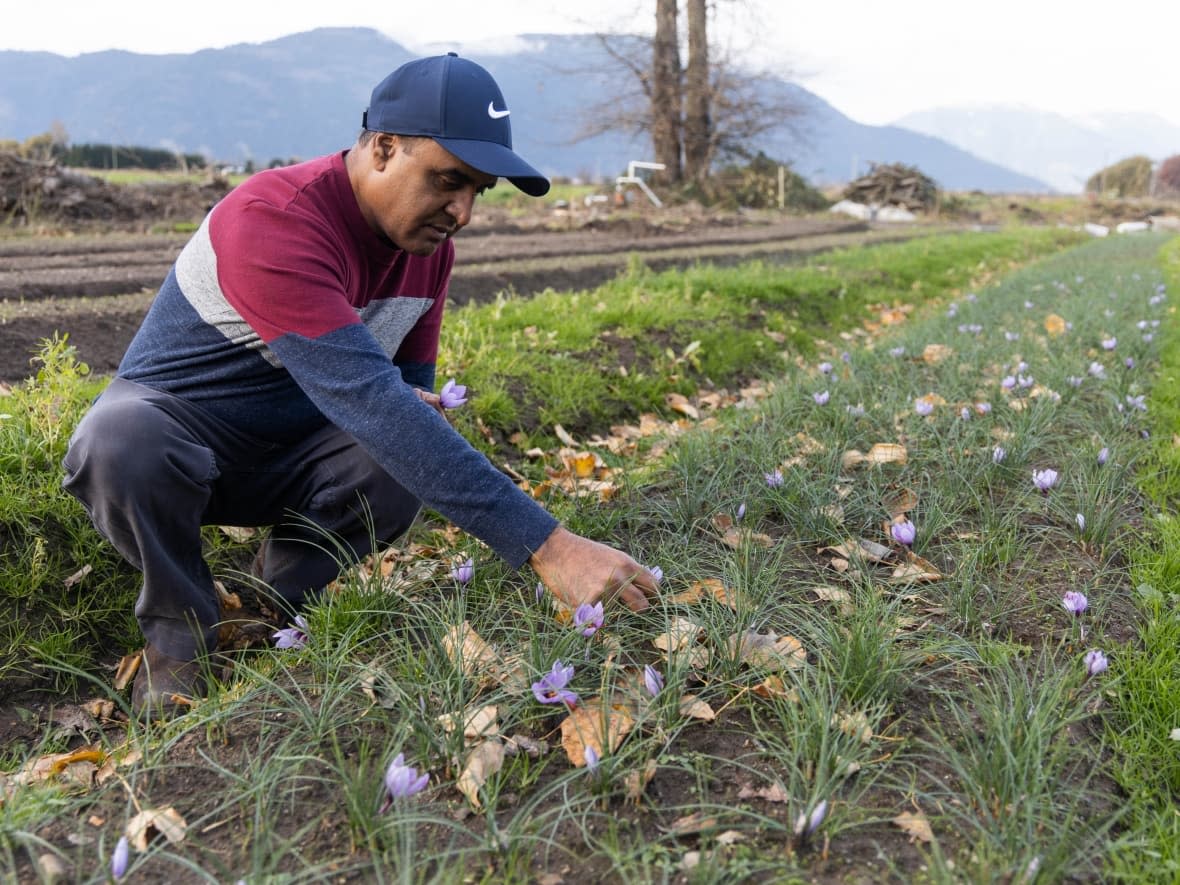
x: 97, y: 289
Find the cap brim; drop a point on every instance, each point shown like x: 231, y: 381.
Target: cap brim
x: 495, y: 159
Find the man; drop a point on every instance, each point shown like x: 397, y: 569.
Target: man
x: 284, y: 374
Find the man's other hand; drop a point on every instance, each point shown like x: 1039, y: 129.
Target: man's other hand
x: 577, y: 570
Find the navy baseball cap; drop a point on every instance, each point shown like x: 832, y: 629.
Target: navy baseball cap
x: 458, y: 104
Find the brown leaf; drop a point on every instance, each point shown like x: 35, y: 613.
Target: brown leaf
x: 679, y: 403
x: 900, y: 502
x: 776, y: 792
x: 78, y: 575
x: 126, y: 670
x: 485, y: 759
x: 694, y: 708
x: 691, y: 824
x: 915, y: 826
x: 768, y: 650
x: 151, y: 822
x: 936, y: 353
x: 635, y: 782
x: 774, y: 687
x: 915, y: 568
x: 480, y: 723
x: 562, y: 434
x: 468, y: 651
x: 1054, y: 325
x: 887, y: 453
x: 594, y: 724
x: 840, y: 598
x: 680, y: 634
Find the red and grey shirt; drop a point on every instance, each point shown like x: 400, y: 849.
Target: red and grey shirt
x: 285, y: 311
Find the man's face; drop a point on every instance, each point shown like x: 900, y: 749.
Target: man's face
x: 417, y: 193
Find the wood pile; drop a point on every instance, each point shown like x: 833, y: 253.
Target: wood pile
x: 894, y: 184
x: 42, y: 192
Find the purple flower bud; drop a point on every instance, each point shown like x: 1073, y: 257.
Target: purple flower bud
x: 1138, y: 402
x: 1044, y: 479
x: 1009, y: 382
x: 464, y: 571
x: 652, y: 680
x: 1103, y: 455
x: 903, y: 532
x: 999, y: 454
x: 741, y: 512
x: 1096, y: 662
x: 120, y: 858
x: 656, y: 572
x: 857, y: 411
x: 540, y: 591
x: 826, y: 368
x: 1097, y: 370
x: 453, y: 395
x: 923, y: 406
x: 1011, y: 336
x: 402, y: 781
x: 1074, y: 602
x: 965, y: 413
x: 588, y: 618
x: 1110, y: 343
x: 806, y: 824
x: 774, y: 480
x: 591, y: 757
x: 846, y: 356
x: 821, y: 398
x: 1081, y: 521
x: 292, y: 637
x: 896, y: 351
x: 983, y: 408
x: 1129, y: 362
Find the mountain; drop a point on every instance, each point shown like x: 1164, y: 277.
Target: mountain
x: 302, y: 95
x: 1063, y: 151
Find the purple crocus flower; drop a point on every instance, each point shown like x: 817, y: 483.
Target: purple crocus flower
x: 1044, y: 479
x: 821, y: 398
x: 464, y: 571
x: 1096, y: 662
x: 540, y: 591
x: 658, y: 573
x: 923, y: 406
x: 857, y: 411
x: 999, y: 453
x: 1110, y: 343
x: 1138, y: 402
x: 1097, y: 370
x: 1103, y: 455
x: 896, y: 351
x: 402, y: 781
x: 1074, y: 602
x: 292, y: 637
x: 741, y: 512
x: 653, y: 681
x: 809, y: 823
x: 453, y: 395
x: 903, y: 532
x: 1011, y: 336
x: 120, y: 858
x: 551, y: 688
x: 1081, y: 521
x: 826, y: 368
x: 1009, y: 382
x: 588, y: 618
x: 774, y: 480
x: 1129, y: 362
x: 591, y: 757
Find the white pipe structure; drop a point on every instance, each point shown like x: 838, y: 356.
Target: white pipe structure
x: 632, y: 178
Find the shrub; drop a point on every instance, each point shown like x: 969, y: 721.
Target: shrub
x: 1167, y: 177
x: 1126, y: 178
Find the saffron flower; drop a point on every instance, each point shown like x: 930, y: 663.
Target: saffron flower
x: 774, y: 480
x: 903, y: 532
x: 741, y: 512
x: 1138, y: 402
x: 1096, y: 662
x: 464, y: 571
x: 1074, y: 602
x: 453, y: 395
x: 1081, y: 521
x: 999, y: 453
x: 1011, y: 336
x: 1097, y: 370
x: 857, y: 411
x: 588, y: 618
x: 1103, y: 455
x: 965, y: 413
x: 551, y: 688
x: 653, y: 681
x: 923, y: 406
x: 1109, y: 343
x: 826, y: 368
x: 983, y: 408
x: 120, y: 858
x: 1074, y: 381
x: 540, y: 591
x: 1009, y: 382
x: 806, y: 824
x: 402, y: 781
x: 1044, y: 479
x: 821, y: 398
x: 591, y: 757
x: 896, y: 351
x: 656, y: 572
x: 292, y: 637
x: 1129, y: 362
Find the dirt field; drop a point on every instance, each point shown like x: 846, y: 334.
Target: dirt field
x: 96, y: 287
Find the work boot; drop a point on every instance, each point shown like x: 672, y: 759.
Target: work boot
x: 164, y: 684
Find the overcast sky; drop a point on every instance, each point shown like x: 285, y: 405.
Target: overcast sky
x: 874, y: 60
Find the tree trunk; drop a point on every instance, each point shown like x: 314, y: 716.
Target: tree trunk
x: 665, y: 93
x: 697, y: 125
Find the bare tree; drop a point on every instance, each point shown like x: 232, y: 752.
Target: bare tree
x: 697, y: 98
x: 666, y: 90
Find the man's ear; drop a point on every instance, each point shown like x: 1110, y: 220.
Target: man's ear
x: 384, y: 146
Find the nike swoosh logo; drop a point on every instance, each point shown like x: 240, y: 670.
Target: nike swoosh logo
x: 495, y: 114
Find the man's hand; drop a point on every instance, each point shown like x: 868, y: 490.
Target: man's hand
x: 578, y: 570
x: 431, y: 399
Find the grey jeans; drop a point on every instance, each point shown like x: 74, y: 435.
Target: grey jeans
x: 151, y: 469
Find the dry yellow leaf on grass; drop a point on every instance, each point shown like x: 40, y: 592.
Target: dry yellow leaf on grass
x: 484, y: 760
x: 679, y: 403
x: 936, y: 353
x: 915, y: 568
x: 150, y: 822
x: 915, y: 826
x: 774, y: 687
x: 596, y: 724
x: 1054, y: 325
x: 709, y: 588
x: 635, y: 782
x: 768, y: 650
x: 479, y: 723
x: 680, y: 634
x: 693, y: 707
x: 467, y: 651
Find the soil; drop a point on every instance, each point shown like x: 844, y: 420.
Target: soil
x: 96, y: 286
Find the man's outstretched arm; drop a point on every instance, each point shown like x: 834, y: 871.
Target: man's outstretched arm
x: 578, y: 570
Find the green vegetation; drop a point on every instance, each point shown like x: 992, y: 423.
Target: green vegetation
x: 837, y: 705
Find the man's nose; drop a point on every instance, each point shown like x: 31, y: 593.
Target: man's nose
x: 461, y: 206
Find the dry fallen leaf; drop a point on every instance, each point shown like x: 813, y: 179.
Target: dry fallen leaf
x: 776, y: 792
x: 915, y: 826
x: 1054, y: 325
x: 774, y: 687
x: 936, y: 353
x: 854, y: 725
x: 594, y: 724
x: 484, y: 760
x: 468, y: 651
x: 151, y: 822
x: 680, y: 634
x: 635, y: 782
x: 480, y: 723
x: 768, y: 650
x: 915, y: 568
x: 691, y: 824
x: 693, y: 707
x: 679, y: 403
x: 126, y: 670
